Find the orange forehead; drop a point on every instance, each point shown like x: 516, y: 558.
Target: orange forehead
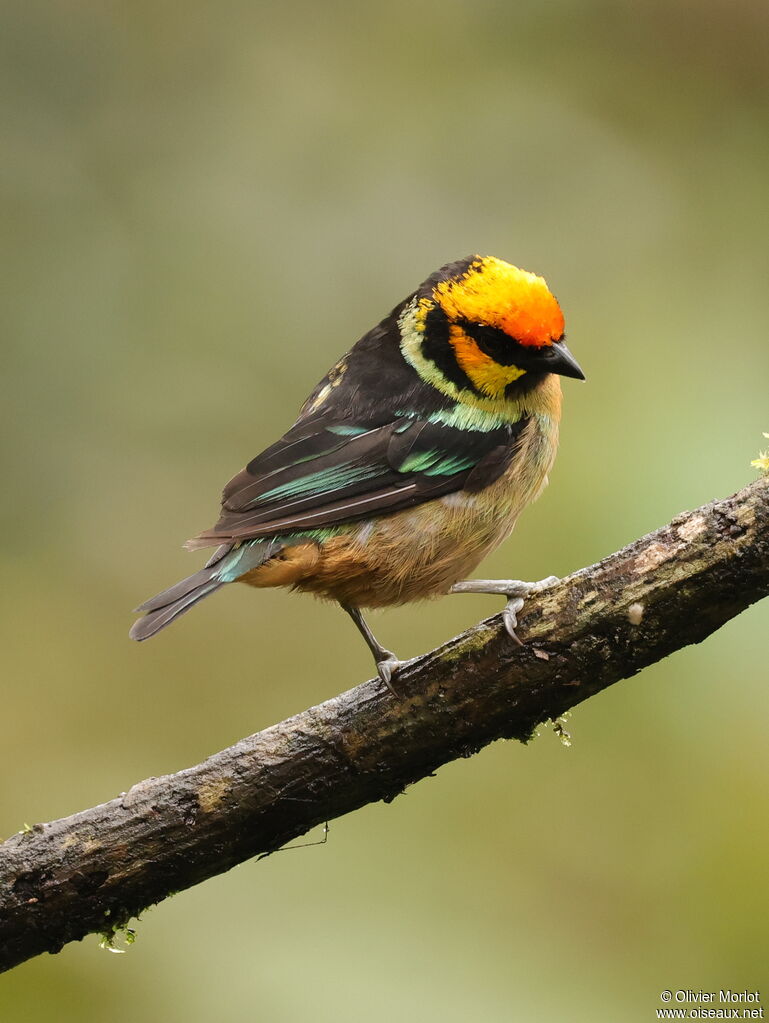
x: 500, y: 295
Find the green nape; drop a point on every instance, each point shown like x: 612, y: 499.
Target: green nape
x: 468, y: 417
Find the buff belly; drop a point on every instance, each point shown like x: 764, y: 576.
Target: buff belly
x: 416, y: 553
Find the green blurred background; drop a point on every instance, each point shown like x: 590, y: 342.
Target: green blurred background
x: 206, y: 204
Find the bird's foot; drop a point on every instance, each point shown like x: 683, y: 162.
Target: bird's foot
x: 514, y: 589
x: 388, y: 667
x: 387, y: 664
x: 510, y: 618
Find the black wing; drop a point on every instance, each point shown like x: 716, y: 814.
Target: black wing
x: 326, y: 474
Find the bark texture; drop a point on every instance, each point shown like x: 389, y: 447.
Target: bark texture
x: 96, y: 869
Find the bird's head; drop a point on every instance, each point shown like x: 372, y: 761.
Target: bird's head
x: 483, y: 327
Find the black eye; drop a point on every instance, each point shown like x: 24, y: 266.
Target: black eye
x: 492, y: 342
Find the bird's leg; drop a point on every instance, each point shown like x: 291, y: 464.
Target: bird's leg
x: 514, y: 589
x: 387, y: 664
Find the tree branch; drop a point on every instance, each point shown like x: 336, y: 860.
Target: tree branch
x: 97, y: 869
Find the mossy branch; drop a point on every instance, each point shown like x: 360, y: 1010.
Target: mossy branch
x: 95, y: 870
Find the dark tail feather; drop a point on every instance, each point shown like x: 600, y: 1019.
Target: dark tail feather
x: 158, y: 618
x: 226, y: 568
x: 209, y: 571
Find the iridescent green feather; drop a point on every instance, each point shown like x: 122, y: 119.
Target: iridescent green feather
x: 321, y: 482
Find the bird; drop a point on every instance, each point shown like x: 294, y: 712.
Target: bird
x: 410, y: 461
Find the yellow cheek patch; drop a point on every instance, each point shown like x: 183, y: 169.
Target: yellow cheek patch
x: 500, y: 295
x: 487, y: 376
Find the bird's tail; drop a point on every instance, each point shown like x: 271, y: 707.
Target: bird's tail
x: 229, y: 563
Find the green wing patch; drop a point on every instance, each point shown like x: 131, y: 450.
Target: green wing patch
x: 327, y: 474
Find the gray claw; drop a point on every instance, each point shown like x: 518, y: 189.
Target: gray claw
x: 387, y: 668
x: 514, y: 589
x: 510, y: 617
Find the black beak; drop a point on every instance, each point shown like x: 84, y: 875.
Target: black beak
x: 560, y: 360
